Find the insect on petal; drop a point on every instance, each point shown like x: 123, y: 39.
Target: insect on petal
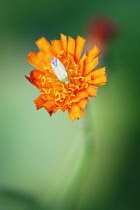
x: 58, y: 69
x: 54, y: 61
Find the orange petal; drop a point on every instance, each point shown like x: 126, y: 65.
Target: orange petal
x: 87, y: 78
x: 83, y: 102
x: 82, y: 93
x: 94, y: 74
x: 92, y: 54
x: 50, y: 113
x: 49, y: 105
x: 92, y: 90
x: 45, y: 57
x: 79, y: 47
x: 56, y: 46
x: 28, y: 78
x: 83, y: 59
x: 64, y: 41
x: 64, y: 108
x: 91, y: 65
x: 35, y: 78
x: 33, y: 59
x: 65, y: 104
x: 99, y: 81
x: 98, y: 72
x: 47, y: 97
x: 71, y: 46
x: 53, y: 111
x: 39, y: 102
x: 43, y: 44
x: 75, y: 112
x: 81, y: 64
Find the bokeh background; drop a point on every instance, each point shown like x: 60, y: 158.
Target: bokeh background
x: 49, y: 163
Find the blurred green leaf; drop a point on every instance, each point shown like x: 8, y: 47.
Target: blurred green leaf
x: 12, y: 199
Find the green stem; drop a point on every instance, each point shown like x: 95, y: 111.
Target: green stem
x: 80, y: 180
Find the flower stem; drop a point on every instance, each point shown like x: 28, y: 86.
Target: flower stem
x: 80, y: 180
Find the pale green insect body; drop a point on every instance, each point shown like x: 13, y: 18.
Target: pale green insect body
x: 59, y: 70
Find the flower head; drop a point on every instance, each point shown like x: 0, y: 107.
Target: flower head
x: 101, y: 30
x: 64, y: 78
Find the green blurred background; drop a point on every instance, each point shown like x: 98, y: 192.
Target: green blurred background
x: 47, y: 163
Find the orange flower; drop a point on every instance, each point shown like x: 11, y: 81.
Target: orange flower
x: 64, y: 78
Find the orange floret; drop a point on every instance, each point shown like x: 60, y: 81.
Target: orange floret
x: 82, y: 78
